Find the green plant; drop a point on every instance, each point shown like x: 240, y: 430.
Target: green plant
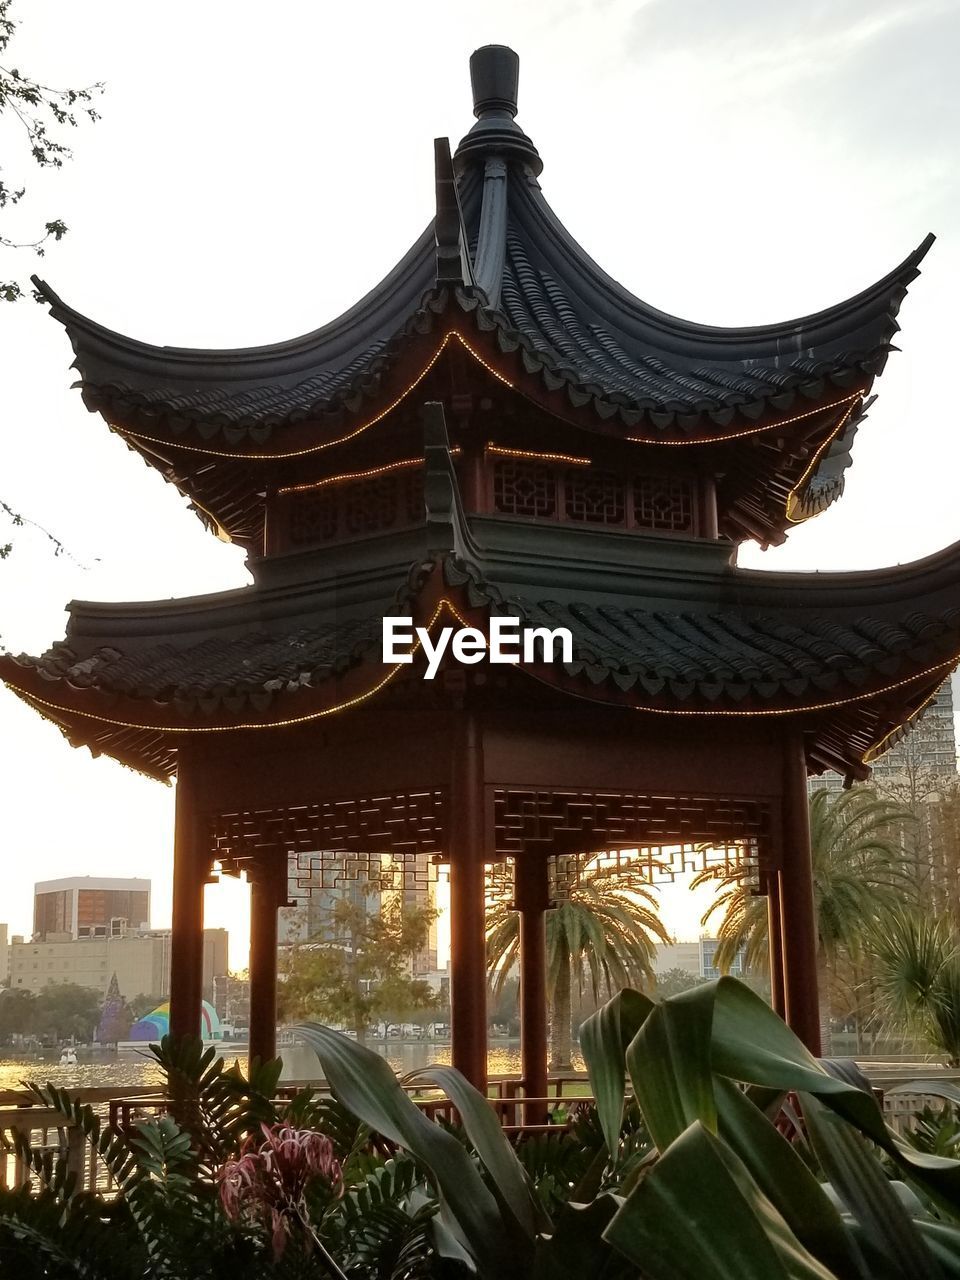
x: 720, y: 1192
x: 918, y: 958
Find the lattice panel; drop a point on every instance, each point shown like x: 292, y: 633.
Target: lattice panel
x: 590, y: 495
x: 400, y: 825
x: 412, y: 499
x: 314, y: 517
x: 320, y: 872
x: 652, y: 865
x: 558, y: 822
x: 595, y: 497
x: 370, y: 506
x: 357, y: 508
x: 664, y: 503
x: 524, y: 488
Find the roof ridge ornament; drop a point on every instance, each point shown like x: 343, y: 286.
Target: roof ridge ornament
x: 453, y: 254
x: 494, y: 78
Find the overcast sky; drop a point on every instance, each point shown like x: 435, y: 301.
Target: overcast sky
x: 259, y: 167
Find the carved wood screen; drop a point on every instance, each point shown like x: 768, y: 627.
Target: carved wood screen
x: 593, y: 495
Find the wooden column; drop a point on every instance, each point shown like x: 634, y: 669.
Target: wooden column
x: 532, y: 900
x: 191, y: 865
x: 468, y: 973
x: 775, y: 941
x: 797, y: 907
x: 267, y: 894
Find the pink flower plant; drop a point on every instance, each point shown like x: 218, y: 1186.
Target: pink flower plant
x: 269, y: 1180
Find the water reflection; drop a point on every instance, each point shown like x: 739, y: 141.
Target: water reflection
x: 136, y: 1070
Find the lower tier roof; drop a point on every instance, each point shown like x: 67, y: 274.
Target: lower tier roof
x: 855, y: 656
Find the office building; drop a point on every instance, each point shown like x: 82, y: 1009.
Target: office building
x: 140, y: 960
x: 90, y: 906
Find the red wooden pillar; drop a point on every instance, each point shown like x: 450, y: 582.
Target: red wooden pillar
x: 775, y: 942
x: 797, y: 907
x: 532, y: 900
x: 268, y: 892
x: 468, y: 971
x: 191, y: 865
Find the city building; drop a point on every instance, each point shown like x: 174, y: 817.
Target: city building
x: 90, y: 906
x: 140, y: 960
x: 4, y: 955
x: 696, y: 958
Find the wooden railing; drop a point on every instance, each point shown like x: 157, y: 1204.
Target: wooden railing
x: 519, y: 1115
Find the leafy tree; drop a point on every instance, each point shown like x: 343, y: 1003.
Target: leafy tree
x: 860, y: 872
x: 142, y: 1004
x: 45, y: 114
x: 66, y: 1011
x: 674, y: 981
x: 17, y: 1013
x: 503, y: 1005
x: 603, y: 936
x: 359, y: 970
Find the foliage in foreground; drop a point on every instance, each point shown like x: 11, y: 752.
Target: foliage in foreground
x: 735, y: 1155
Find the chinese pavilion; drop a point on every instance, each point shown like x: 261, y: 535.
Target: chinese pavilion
x: 500, y: 428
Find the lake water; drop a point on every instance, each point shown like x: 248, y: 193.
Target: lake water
x: 138, y: 1069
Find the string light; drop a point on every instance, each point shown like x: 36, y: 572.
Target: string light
x: 749, y: 431
x: 329, y: 444
x: 880, y: 747
x: 539, y: 457
x: 403, y: 463
x: 38, y: 702
x: 485, y: 364
x: 793, y: 500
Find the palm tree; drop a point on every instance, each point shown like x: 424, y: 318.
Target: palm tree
x: 604, y: 934
x: 860, y: 872
x: 918, y: 958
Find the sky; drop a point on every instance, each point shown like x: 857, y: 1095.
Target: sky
x: 258, y: 168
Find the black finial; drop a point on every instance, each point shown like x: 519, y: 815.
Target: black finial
x: 494, y: 73
x: 494, y: 76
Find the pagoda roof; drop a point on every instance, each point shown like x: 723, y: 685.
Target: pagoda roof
x: 855, y: 655
x: 496, y: 268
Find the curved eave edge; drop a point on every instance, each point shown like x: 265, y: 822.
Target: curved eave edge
x: 884, y: 296
x: 529, y: 372
x: 509, y: 340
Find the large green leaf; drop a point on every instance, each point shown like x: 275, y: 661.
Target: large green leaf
x: 669, y: 1064
x: 780, y: 1173
x: 365, y: 1084
x: 944, y: 1243
x: 729, y: 1031
x: 858, y: 1178
x: 698, y: 1215
x: 577, y: 1249
x: 485, y: 1132
x: 604, y: 1038
x: 752, y: 1044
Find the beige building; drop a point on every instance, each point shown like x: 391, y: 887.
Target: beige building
x: 140, y: 960
x: 4, y: 955
x: 90, y: 906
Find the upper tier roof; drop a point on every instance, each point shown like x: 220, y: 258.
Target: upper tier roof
x: 497, y: 266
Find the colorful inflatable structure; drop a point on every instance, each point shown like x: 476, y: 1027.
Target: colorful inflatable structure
x: 156, y: 1024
